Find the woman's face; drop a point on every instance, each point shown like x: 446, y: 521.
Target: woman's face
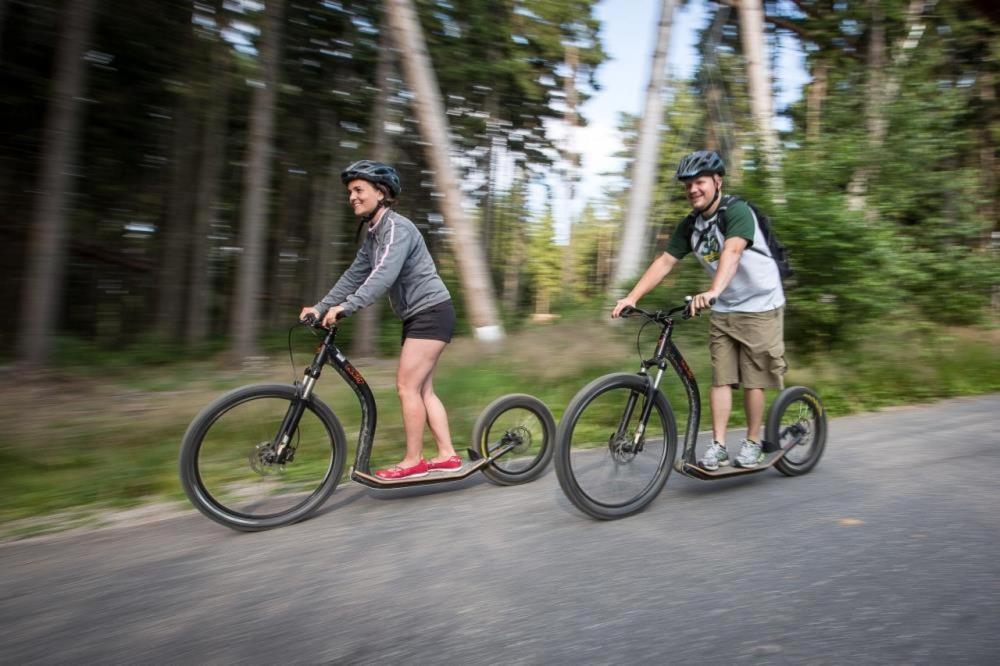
x: 362, y: 196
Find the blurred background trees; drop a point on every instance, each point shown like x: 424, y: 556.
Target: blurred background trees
x: 169, y: 170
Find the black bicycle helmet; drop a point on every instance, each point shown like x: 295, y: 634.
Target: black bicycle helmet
x: 699, y: 162
x: 373, y: 172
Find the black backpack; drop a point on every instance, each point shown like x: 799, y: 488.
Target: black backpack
x: 778, y: 251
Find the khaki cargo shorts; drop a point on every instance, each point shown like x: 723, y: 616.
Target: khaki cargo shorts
x: 748, y: 349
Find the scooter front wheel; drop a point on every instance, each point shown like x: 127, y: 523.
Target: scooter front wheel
x: 610, y: 463
x: 521, y: 422
x: 797, y: 420
x: 236, y: 473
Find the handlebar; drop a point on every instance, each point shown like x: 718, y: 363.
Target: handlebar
x: 315, y: 322
x: 661, y: 316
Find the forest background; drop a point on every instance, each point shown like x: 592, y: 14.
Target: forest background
x: 170, y: 197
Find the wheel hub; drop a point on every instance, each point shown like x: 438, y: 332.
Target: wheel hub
x: 520, y: 437
x: 263, y: 460
x: 623, y: 448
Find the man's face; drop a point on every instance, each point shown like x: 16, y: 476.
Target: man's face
x: 700, y: 190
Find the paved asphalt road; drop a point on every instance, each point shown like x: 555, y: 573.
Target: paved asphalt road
x: 888, y: 553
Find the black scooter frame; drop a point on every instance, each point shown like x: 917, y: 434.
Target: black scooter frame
x: 667, y: 351
x: 329, y: 352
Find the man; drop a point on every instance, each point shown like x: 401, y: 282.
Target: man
x: 746, y: 326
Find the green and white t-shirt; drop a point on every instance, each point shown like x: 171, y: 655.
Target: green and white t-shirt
x: 756, y: 287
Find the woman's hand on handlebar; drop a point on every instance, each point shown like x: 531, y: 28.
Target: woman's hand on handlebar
x: 332, y: 315
x: 621, y: 305
x: 307, y: 312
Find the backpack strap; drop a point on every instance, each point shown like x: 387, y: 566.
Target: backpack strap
x: 720, y: 218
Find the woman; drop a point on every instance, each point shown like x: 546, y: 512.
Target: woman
x: 394, y: 258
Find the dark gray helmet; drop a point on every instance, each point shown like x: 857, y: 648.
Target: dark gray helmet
x: 373, y: 172
x: 699, y: 162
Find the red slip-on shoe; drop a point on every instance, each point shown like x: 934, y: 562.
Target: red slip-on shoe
x: 452, y: 464
x: 397, y: 472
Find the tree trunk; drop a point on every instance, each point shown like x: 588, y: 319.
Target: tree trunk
x: 644, y: 168
x: 815, y: 97
x: 472, y: 267
x: 3, y: 15
x: 324, y: 214
x: 40, y: 302
x: 213, y: 147
x: 256, y: 191
x: 882, y: 88
x: 751, y: 15
x: 987, y: 151
x: 570, y: 153
x: 366, y: 332
x: 176, y: 227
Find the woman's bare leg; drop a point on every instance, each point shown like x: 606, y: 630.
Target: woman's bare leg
x: 416, y: 364
x: 437, y: 419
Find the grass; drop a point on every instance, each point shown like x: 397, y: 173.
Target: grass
x: 105, y: 434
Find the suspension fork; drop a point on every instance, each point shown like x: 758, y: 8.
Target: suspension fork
x: 659, y: 360
x: 290, y: 422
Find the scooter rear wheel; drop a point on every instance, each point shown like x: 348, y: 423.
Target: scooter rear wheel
x: 797, y: 419
x: 518, y: 419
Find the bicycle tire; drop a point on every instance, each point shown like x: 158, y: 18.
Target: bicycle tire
x: 811, y: 417
x: 531, y: 420
x: 594, y: 504
x: 218, y: 457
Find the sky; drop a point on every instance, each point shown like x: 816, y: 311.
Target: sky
x: 628, y: 33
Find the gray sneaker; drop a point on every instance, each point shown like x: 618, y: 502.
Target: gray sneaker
x: 750, y: 455
x: 714, y: 457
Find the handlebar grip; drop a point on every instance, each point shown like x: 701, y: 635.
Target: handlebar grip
x: 626, y: 311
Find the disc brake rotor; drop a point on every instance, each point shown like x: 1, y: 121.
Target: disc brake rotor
x: 521, y: 437
x: 262, y: 459
x: 622, y: 448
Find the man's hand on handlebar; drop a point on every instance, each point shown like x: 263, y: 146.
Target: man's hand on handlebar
x: 621, y: 305
x: 702, y: 301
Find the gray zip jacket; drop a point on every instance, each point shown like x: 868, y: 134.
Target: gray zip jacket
x: 393, y: 258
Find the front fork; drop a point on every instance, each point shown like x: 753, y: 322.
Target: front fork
x: 647, y: 409
x: 283, y: 452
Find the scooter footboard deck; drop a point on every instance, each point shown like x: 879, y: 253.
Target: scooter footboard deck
x: 694, y: 470
x: 435, y: 476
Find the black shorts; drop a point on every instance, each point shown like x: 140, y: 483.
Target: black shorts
x: 434, y: 323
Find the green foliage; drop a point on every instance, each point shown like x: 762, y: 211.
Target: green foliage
x: 844, y: 265
x: 544, y: 264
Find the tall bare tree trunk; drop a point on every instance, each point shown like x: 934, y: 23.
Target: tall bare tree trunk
x: 325, y: 214
x: 213, y: 147
x: 987, y: 150
x: 883, y: 87
x: 815, y: 98
x: 3, y: 15
x: 472, y: 267
x: 366, y: 332
x: 644, y: 167
x: 759, y: 83
x: 40, y: 300
x: 256, y: 190
x: 572, y: 155
x: 176, y: 226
